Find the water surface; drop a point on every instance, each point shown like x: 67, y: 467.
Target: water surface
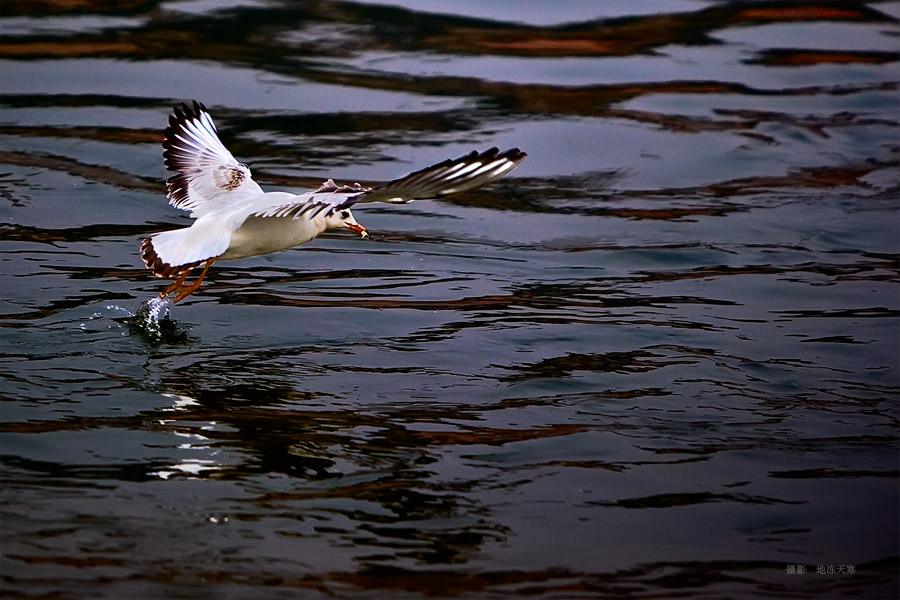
x: 660, y: 359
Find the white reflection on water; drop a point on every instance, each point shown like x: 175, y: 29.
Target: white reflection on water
x: 196, y: 442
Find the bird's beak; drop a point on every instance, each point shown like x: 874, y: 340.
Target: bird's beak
x: 357, y: 228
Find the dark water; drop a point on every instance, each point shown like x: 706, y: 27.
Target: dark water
x: 661, y: 359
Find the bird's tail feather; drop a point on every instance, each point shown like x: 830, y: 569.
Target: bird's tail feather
x: 173, y: 252
x: 160, y: 267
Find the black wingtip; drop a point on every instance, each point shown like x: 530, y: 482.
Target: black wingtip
x: 493, y: 153
x: 514, y: 154
x: 181, y: 114
x: 184, y: 111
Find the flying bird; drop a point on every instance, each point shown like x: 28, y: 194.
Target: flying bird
x: 235, y: 218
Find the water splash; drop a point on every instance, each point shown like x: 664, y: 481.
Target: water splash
x: 153, y: 321
x: 151, y: 310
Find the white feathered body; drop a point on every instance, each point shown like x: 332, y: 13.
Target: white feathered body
x: 242, y: 234
x: 262, y: 235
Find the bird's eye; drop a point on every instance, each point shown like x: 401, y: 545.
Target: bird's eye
x: 345, y: 214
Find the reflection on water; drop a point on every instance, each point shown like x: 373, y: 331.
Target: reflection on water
x: 661, y: 359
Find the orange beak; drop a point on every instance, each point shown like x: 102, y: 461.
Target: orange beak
x: 357, y: 228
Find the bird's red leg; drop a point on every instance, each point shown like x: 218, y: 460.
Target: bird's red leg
x: 178, y: 283
x: 184, y: 292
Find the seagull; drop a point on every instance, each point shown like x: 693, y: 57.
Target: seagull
x: 235, y: 218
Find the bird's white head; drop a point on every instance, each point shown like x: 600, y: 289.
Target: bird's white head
x: 343, y: 219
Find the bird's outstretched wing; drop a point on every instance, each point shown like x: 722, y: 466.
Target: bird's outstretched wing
x: 207, y: 176
x: 451, y: 176
x: 448, y: 177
